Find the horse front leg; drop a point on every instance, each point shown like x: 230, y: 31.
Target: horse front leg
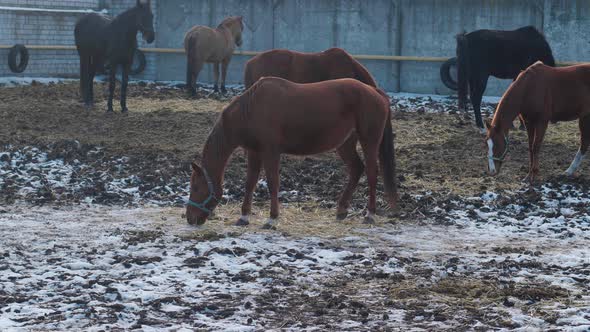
x: 216, y: 76
x: 84, y: 64
x: 530, y: 128
x: 224, y: 66
x: 271, y: 168
x: 353, y: 162
x: 124, y: 82
x: 112, y: 74
x: 536, y: 148
x: 254, y: 164
x: 477, y: 87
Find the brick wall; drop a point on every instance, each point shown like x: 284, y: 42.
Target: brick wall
x: 51, y: 28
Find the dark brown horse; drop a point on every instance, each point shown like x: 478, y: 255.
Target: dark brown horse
x: 299, y: 67
x: 100, y: 40
x: 541, y: 94
x: 276, y: 116
x: 203, y: 44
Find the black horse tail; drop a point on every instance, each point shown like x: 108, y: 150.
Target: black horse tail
x: 462, y: 70
x: 387, y: 159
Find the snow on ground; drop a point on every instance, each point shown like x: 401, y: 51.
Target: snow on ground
x: 94, y: 267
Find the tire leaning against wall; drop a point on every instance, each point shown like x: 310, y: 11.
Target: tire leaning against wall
x: 15, y: 51
x: 445, y: 74
x: 139, y: 63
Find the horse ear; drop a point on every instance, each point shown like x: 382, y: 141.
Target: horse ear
x: 196, y: 168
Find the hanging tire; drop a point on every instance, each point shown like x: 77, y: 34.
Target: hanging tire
x: 139, y: 62
x: 448, y: 74
x: 18, y: 52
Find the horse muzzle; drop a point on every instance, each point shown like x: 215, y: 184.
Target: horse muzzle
x: 148, y: 36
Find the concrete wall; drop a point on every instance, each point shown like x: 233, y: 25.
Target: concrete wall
x: 386, y: 27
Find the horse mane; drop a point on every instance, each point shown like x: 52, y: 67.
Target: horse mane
x: 246, y: 97
x: 513, y: 97
x: 124, y: 16
x: 216, y: 139
x: 226, y: 21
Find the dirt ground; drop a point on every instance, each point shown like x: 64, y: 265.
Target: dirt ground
x: 436, y: 153
x: 465, y: 251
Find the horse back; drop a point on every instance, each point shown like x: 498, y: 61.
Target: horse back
x: 276, y: 63
x: 505, y: 53
x: 90, y: 32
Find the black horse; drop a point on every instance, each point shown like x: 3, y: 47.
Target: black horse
x: 502, y: 54
x: 100, y: 40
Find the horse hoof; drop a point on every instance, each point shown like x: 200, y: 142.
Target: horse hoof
x: 341, y: 215
x: 242, y: 222
x: 124, y: 110
x: 369, y: 220
x: 223, y: 90
x: 110, y: 111
x: 269, y: 226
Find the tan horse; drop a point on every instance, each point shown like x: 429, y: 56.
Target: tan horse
x: 203, y: 44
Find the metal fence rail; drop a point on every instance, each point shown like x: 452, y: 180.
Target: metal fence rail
x: 253, y: 53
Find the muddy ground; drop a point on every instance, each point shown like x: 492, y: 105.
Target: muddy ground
x: 465, y: 250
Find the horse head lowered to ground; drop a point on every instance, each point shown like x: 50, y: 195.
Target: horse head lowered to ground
x: 541, y: 94
x: 275, y: 116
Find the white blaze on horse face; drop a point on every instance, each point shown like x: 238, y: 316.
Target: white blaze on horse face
x: 491, y: 165
x: 575, y: 163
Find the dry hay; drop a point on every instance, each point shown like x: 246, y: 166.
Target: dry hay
x: 441, y: 155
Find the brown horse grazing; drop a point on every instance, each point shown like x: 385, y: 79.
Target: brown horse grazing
x: 203, y: 44
x: 276, y: 116
x: 541, y: 94
x: 299, y: 67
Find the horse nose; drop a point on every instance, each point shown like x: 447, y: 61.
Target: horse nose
x: 190, y: 219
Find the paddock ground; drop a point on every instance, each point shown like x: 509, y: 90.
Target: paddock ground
x: 93, y: 237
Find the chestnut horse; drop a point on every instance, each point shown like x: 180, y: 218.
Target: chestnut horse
x: 203, y: 44
x: 299, y: 67
x: 541, y: 94
x: 276, y: 116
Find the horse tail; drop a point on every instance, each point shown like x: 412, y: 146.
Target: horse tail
x: 462, y: 69
x: 362, y: 74
x: 387, y: 157
x: 248, y: 73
